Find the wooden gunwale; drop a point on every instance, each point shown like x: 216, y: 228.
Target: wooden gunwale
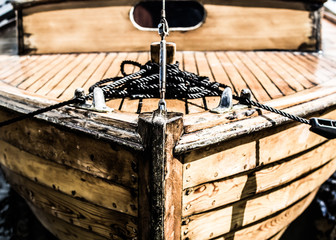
x: 217, y: 133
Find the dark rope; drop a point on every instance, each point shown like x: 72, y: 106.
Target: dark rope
x: 39, y: 111
x: 145, y: 84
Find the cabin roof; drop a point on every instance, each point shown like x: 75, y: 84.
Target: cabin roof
x: 28, y: 3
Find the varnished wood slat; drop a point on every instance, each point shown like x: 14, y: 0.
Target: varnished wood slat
x: 83, y: 76
x: 51, y: 74
x: 113, y: 71
x: 57, y: 176
x: 33, y: 70
x: 214, y: 194
x: 320, y: 74
x: 76, y: 212
x: 60, y: 76
x: 297, y: 75
x: 267, y: 84
x: 233, y: 217
x: 206, y: 165
x: 44, y: 74
x: 282, y: 70
x: 322, y: 60
x: 257, y: 90
x: 96, y: 157
x: 13, y: 66
x: 311, y: 79
x: 234, y: 75
x: 194, y: 105
x: 100, y: 71
x: 270, y: 226
x: 205, y: 70
x: 275, y: 77
x: 217, y: 70
x: 73, y: 80
x: 26, y: 69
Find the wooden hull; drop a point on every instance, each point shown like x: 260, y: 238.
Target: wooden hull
x: 248, y: 188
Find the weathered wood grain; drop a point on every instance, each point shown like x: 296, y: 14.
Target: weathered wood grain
x: 75, y: 211
x: 270, y: 226
x: 218, y: 162
x: 218, y: 193
x: 271, y: 21
x: 79, y: 151
x: 63, y: 230
x: 58, y: 177
x: 242, y: 213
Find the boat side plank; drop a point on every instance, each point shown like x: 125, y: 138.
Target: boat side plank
x: 247, y: 211
x: 75, y: 211
x: 79, y: 151
x: 270, y: 226
x: 213, y: 194
x: 58, y: 177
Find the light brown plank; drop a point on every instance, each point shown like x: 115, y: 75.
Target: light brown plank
x: 79, y: 213
x: 42, y: 72
x: 321, y: 74
x: 270, y: 226
x: 93, y: 156
x: 204, y: 70
x: 217, y: 70
x: 83, y: 76
x: 194, y: 105
x: 257, y: 90
x: 275, y: 77
x: 312, y: 79
x: 63, y: 230
x: 100, y: 71
x: 282, y: 70
x: 16, y: 66
x: 267, y: 84
x: 58, y: 177
x: 71, y: 81
x: 53, y: 82
x: 29, y: 69
x: 247, y: 211
x: 202, y: 166
x: 214, y: 194
x: 271, y: 21
x: 235, y: 78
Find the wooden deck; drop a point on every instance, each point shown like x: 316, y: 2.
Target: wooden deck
x: 269, y: 74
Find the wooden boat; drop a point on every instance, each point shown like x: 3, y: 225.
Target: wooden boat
x: 189, y: 174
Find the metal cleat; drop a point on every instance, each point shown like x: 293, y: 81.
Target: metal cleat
x: 244, y: 93
x: 98, y: 103
x: 225, y: 104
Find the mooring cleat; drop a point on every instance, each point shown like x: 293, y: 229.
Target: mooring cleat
x: 225, y: 103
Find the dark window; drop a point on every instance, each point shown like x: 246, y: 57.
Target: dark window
x: 179, y: 14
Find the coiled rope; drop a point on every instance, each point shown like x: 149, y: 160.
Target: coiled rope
x: 145, y: 84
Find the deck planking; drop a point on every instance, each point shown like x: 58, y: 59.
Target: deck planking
x: 269, y: 74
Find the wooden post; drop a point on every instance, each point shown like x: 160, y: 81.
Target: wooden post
x: 160, y: 177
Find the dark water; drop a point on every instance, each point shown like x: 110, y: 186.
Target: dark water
x: 17, y: 222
